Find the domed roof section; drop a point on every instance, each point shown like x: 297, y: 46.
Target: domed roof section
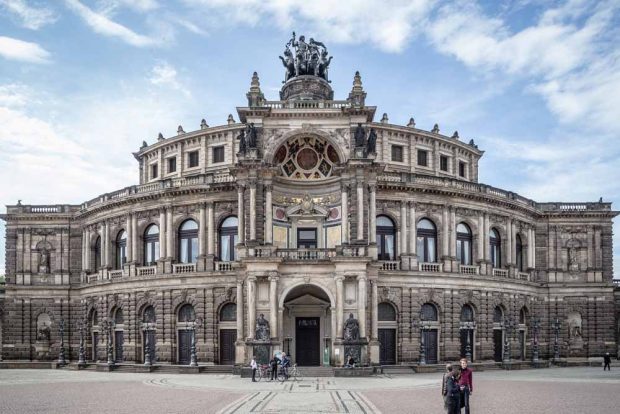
x: 306, y: 64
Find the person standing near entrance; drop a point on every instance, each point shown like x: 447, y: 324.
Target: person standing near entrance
x: 273, y: 364
x: 254, y: 366
x: 452, y: 398
x: 607, y: 361
x: 444, y: 386
x: 466, y: 384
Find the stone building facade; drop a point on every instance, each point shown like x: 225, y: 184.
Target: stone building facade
x: 311, y: 228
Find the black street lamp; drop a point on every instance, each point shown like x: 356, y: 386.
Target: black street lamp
x: 193, y: 358
x: 61, y: 353
x: 108, y: 326
x: 535, y: 329
x: 509, y: 325
x: 469, y: 326
x: 556, y: 326
x: 81, y: 325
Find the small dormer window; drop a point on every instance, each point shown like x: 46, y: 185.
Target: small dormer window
x: 423, y: 158
x: 443, y: 163
x: 154, y: 171
x: 192, y: 159
x: 172, y: 164
x: 461, y: 169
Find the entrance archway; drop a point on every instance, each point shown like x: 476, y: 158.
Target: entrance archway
x: 307, y: 324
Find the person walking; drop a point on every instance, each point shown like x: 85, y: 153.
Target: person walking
x: 444, y: 386
x: 453, y: 394
x: 273, y: 364
x: 607, y: 361
x: 254, y: 366
x: 286, y: 363
x: 466, y: 384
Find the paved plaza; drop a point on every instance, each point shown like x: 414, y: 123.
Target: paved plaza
x: 566, y: 390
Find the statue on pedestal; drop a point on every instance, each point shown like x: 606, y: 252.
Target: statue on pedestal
x: 251, y: 136
x: 242, y: 142
x: 371, y: 145
x: 351, y: 329
x: 44, y: 261
x: 262, y: 328
x: 360, y: 135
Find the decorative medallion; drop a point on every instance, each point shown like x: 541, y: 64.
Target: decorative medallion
x: 306, y: 158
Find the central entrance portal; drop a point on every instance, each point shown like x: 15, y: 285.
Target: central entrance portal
x: 308, y: 341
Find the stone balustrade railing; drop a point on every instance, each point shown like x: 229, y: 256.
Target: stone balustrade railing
x: 319, y: 104
x: 390, y: 265
x: 500, y: 272
x: 430, y: 267
x: 146, y: 271
x: 306, y: 254
x: 223, y: 266
x: 184, y: 267
x: 469, y: 270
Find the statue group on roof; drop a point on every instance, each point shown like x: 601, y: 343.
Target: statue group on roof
x: 306, y: 58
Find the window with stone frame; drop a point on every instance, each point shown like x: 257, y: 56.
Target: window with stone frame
x: 172, y: 164
x: 193, y: 159
x: 218, y: 154
x: 428, y: 312
x: 467, y: 313
x: 397, y: 153
x: 187, y: 313
x: 495, y: 244
x: 443, y: 163
x: 462, y: 169
x: 423, y: 158
x: 154, y: 171
x: 228, y: 313
x: 149, y: 315
x: 188, y: 242
x: 386, y: 312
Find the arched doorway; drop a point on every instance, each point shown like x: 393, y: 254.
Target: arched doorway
x: 429, y: 317
x: 228, y: 333
x: 93, y: 321
x: 186, y: 317
x: 467, y: 328
x: 149, y: 323
x: 498, y: 334
x: 119, y: 334
x: 307, y: 325
x: 387, y: 333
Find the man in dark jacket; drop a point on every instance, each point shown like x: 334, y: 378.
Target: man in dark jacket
x: 607, y: 361
x: 466, y: 383
x: 453, y: 394
x: 273, y: 364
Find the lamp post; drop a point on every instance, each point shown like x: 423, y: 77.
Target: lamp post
x: 108, y: 326
x: 193, y: 358
x: 81, y: 326
x: 469, y: 326
x: 535, y: 329
x: 556, y: 326
x: 61, y: 353
x: 424, y: 326
x: 148, y: 351
x: 508, y: 324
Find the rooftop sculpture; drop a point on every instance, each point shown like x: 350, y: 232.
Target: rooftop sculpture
x: 306, y: 58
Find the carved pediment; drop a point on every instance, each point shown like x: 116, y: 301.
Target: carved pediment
x: 307, y: 300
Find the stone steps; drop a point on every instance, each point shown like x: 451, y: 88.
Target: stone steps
x: 316, y: 371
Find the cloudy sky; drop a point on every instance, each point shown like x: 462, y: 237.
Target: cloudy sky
x: 83, y: 82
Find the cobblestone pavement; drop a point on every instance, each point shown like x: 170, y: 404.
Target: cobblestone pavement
x: 566, y: 390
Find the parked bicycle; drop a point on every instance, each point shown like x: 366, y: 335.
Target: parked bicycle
x: 289, y: 373
x: 263, y: 371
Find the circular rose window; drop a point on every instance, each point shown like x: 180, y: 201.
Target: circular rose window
x: 306, y: 158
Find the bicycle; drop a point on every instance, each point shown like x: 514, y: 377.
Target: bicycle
x: 263, y: 371
x: 286, y: 373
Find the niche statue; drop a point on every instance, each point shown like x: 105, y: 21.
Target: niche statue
x: 360, y: 136
x: 262, y: 328
x: 351, y: 329
x: 371, y: 145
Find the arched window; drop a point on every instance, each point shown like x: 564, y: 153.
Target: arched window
x: 97, y: 252
x: 188, y: 242
x: 496, y: 251
x: 94, y: 318
x: 186, y: 313
x: 463, y: 244
x: 151, y: 245
x: 228, y: 313
x: 428, y: 312
x: 149, y: 315
x: 386, y: 234
x: 523, y: 315
x: 386, y: 312
x: 228, y: 239
x: 519, y: 253
x: 467, y: 313
x: 498, y: 314
x: 119, y: 318
x: 427, y: 241
x: 121, y: 249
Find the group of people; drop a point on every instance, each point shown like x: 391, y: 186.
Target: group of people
x: 283, y: 360
x: 456, y: 388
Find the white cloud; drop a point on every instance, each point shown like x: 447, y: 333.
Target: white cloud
x: 31, y: 17
x: 15, y: 49
x: 164, y: 74
x: 137, y: 5
x: 103, y: 25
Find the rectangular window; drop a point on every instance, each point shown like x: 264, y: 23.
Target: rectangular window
x: 443, y: 163
x: 172, y: 164
x: 397, y: 153
x: 461, y: 169
x: 218, y: 154
x: 192, y: 159
x: 423, y: 158
x: 153, y: 171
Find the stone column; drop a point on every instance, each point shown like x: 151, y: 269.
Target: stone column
x: 253, y: 210
x: 88, y: 251
x: 509, y: 241
x: 480, y: 238
x: 240, y: 213
x: 360, y: 210
x: 162, y: 233
x: 240, y: 334
x: 169, y: 239
x: 375, y: 310
x: 530, y: 249
x: 445, y: 237
x: 534, y: 247
x: 487, y: 249
x: 251, y: 282
x: 83, y: 249
x: 105, y: 245
x: 373, y: 213
x: 134, y: 238
x: 339, y: 305
x: 273, y: 305
x: 202, y: 227
x: 361, y: 304
x: 403, y: 227
x: 268, y: 215
x: 412, y: 230
x: 345, y: 214
x: 129, y: 252
x: 210, y: 229
x: 452, y: 231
